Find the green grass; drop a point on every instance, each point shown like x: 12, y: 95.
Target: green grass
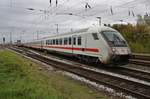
x: 22, y: 79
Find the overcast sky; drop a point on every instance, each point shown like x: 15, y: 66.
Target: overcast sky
x: 15, y: 16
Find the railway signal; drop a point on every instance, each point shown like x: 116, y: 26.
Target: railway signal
x: 99, y: 20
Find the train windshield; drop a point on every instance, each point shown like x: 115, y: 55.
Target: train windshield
x: 114, y: 39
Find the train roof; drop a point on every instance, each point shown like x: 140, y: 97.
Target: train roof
x: 76, y: 31
x: 103, y: 28
x: 93, y: 28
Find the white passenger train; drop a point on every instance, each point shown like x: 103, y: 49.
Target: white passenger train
x: 94, y: 44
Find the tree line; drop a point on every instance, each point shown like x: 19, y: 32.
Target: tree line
x: 138, y: 36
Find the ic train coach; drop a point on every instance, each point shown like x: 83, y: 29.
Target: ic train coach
x: 94, y: 44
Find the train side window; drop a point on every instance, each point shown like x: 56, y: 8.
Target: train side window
x: 60, y: 41
x: 46, y: 42
x: 65, y: 41
x: 70, y: 40
x: 51, y: 42
x: 95, y: 36
x: 74, y: 40
x: 56, y: 41
x: 79, y: 40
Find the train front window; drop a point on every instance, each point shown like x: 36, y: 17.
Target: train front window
x: 114, y: 39
x: 95, y: 36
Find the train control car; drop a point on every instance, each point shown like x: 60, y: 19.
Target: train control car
x: 94, y: 44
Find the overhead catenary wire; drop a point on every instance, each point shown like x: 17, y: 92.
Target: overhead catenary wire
x: 120, y: 6
x: 111, y: 11
x: 131, y: 13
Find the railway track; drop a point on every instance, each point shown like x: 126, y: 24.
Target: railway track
x: 136, y: 89
x: 132, y: 72
x: 140, y: 59
x: 141, y: 56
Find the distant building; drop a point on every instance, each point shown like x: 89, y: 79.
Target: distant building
x: 143, y: 20
x: 140, y: 20
x: 18, y: 42
x: 147, y: 19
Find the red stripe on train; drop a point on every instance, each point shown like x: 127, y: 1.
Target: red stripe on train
x: 73, y: 48
x: 70, y: 48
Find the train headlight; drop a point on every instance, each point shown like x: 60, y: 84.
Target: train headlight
x: 114, y: 49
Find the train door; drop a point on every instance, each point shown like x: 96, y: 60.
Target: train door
x: 42, y: 44
x: 82, y: 43
x: 74, y: 42
x: 85, y: 41
x: 79, y: 44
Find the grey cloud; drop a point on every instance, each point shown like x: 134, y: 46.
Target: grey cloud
x: 16, y: 17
